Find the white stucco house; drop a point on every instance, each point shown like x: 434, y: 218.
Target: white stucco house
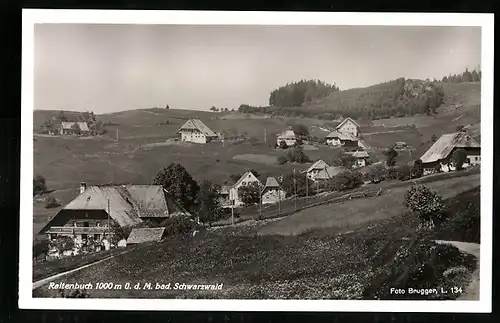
x: 194, y: 130
x: 229, y: 194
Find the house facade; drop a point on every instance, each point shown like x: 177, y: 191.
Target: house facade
x: 98, y: 207
x: 361, y: 158
x: 313, y: 172
x: 288, y: 136
x: 74, y: 128
x: 194, y: 130
x: 348, y: 126
x: 340, y: 139
x: 272, y: 192
x: 247, y: 179
x: 439, y: 155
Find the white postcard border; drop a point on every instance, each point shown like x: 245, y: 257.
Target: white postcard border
x: 33, y: 16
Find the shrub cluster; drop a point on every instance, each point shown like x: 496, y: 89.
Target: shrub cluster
x: 294, y: 155
x: 51, y: 202
x: 427, y: 204
x: 346, y: 180
x: 179, y: 225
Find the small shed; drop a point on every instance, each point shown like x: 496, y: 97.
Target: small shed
x: 141, y: 235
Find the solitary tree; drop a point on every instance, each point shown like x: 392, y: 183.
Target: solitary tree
x: 390, y: 156
x: 209, y: 203
x: 376, y: 174
x: 39, y: 185
x: 41, y: 247
x: 167, y: 107
x: 300, y: 130
x: 458, y: 158
x: 76, y: 128
x: 250, y: 194
x: 179, y: 183
x: 427, y: 204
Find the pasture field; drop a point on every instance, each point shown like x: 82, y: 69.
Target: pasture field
x: 320, y: 264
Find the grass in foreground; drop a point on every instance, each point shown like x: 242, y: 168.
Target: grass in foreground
x: 363, y: 264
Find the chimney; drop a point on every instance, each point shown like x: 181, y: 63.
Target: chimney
x: 83, y: 187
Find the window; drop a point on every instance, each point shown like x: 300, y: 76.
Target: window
x: 244, y: 183
x: 97, y: 237
x: 53, y: 236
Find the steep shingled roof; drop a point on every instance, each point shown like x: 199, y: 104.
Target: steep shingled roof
x: 67, y: 125
x: 360, y: 154
x: 127, y: 203
x: 196, y: 124
x: 245, y: 176
x: 320, y: 164
x: 341, y: 136
x: 445, y: 145
x: 141, y: 235
x: 330, y: 171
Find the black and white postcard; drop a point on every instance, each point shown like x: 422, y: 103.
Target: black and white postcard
x: 273, y: 161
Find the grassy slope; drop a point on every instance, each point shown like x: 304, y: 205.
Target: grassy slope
x: 346, y: 214
x: 362, y: 264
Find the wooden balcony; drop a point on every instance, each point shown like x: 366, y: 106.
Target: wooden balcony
x: 78, y: 230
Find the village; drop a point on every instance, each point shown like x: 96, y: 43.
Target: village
x: 93, y: 216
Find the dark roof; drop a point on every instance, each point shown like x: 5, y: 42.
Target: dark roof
x: 445, y: 145
x: 341, y: 136
x: 141, y: 235
x: 127, y: 203
x: 329, y: 172
x: 196, y: 124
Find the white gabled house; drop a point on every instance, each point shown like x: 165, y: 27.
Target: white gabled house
x: 348, y: 125
x: 315, y: 169
x: 229, y: 194
x: 194, y: 130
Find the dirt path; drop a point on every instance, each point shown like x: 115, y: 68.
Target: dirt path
x: 472, y: 290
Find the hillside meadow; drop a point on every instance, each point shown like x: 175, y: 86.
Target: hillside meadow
x: 321, y: 264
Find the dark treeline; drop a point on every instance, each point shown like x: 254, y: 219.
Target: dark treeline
x: 396, y: 98
x: 467, y: 76
x: 299, y: 93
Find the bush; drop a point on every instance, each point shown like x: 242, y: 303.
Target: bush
x: 403, y: 172
x: 297, y: 155
x: 179, y: 225
x: 376, y: 174
x: 427, y: 204
x: 392, y: 173
x: 39, y: 185
x: 51, y: 202
x: 458, y: 158
x: 40, y: 247
x: 346, y: 180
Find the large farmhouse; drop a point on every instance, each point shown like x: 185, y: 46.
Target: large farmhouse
x: 272, y: 192
x: 438, y: 157
x: 194, y: 130
x: 92, y: 213
x: 74, y: 128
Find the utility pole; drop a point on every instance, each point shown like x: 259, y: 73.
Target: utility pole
x: 108, y: 218
x: 409, y: 150
x: 295, y: 190
x: 265, y: 135
x: 232, y: 212
x: 260, y: 203
x: 117, y: 138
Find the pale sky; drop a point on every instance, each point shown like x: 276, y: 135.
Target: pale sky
x: 110, y: 68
